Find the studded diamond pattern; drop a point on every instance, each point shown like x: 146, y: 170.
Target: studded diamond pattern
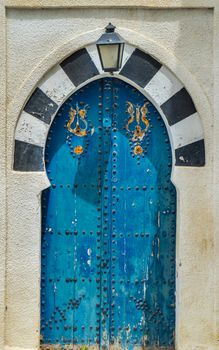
x: 108, y: 227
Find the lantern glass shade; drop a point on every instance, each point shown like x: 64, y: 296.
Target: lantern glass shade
x: 110, y: 48
x: 111, y: 56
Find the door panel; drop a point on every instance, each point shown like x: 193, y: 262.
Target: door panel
x: 108, y: 226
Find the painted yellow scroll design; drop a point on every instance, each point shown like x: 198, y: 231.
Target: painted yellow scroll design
x: 138, y: 115
x: 80, y: 115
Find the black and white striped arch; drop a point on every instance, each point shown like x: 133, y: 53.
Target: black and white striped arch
x: 160, y: 85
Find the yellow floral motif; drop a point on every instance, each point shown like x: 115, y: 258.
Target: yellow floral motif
x: 138, y: 150
x: 78, y: 149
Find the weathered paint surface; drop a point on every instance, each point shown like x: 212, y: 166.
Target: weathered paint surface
x: 108, y: 227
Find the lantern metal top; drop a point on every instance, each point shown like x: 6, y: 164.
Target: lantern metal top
x: 110, y: 37
x: 110, y: 28
x: 110, y: 49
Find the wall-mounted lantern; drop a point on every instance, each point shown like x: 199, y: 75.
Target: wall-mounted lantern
x: 110, y: 48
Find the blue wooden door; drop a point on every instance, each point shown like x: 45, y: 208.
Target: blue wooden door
x: 108, y: 223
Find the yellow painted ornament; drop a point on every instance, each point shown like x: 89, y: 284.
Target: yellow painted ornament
x: 78, y: 150
x: 138, y: 150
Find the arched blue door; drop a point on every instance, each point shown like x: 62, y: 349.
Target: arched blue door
x: 108, y: 223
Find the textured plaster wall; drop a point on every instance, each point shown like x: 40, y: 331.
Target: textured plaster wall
x: 188, y: 35
x: 2, y: 175
x: 44, y: 30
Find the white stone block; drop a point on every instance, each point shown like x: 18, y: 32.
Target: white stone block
x: 56, y: 85
x: 31, y: 130
x: 187, y: 131
x: 163, y: 86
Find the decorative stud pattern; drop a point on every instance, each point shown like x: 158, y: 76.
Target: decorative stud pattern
x: 159, y: 83
x: 108, y: 228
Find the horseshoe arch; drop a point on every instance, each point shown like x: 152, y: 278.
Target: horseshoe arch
x: 142, y: 70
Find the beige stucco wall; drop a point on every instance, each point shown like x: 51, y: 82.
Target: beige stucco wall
x: 185, y: 35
